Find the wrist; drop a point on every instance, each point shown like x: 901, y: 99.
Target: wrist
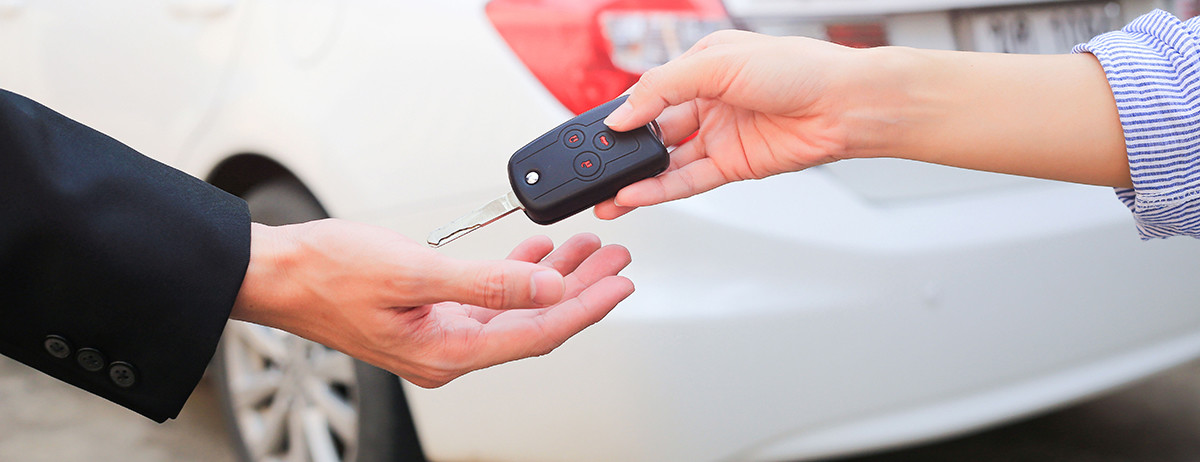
x: 265, y: 294
x: 885, y: 94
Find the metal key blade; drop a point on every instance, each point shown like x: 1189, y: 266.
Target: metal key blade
x: 481, y: 217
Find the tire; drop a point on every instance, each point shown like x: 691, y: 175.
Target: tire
x: 288, y: 399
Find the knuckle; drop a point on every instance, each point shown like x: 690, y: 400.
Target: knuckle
x: 547, y: 343
x: 425, y: 382
x: 706, y: 41
x: 443, y: 376
x: 652, y: 79
x: 546, y: 347
x: 721, y: 36
x: 492, y: 288
x: 716, y: 38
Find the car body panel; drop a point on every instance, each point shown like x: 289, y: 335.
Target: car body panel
x: 743, y: 335
x: 360, y: 135
x: 94, y: 61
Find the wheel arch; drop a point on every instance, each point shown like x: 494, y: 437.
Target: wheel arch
x: 240, y: 173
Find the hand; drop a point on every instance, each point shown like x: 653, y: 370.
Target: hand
x: 387, y: 300
x: 758, y: 106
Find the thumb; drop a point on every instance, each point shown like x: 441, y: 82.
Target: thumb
x: 501, y: 284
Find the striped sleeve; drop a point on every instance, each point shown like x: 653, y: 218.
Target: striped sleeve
x: 1153, y: 67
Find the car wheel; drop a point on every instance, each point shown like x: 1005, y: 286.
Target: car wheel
x: 289, y: 399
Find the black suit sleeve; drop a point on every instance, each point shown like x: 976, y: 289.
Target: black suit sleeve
x: 117, y: 273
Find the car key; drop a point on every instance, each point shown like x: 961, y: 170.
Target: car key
x: 568, y: 169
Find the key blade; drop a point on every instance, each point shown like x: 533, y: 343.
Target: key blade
x: 481, y: 217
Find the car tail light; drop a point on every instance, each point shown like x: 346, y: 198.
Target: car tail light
x: 857, y: 34
x: 586, y: 52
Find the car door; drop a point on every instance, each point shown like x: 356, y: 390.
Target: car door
x: 143, y: 71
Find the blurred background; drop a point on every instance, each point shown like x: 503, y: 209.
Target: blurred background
x: 845, y: 311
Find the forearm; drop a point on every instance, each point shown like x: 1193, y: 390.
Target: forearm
x: 108, y: 252
x: 1050, y: 117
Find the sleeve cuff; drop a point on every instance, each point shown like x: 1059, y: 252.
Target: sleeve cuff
x: 1153, y: 68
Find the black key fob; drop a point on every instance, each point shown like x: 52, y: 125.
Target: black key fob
x: 581, y: 163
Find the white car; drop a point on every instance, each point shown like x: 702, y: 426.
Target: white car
x: 846, y: 308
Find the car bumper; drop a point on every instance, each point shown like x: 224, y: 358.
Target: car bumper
x: 824, y: 324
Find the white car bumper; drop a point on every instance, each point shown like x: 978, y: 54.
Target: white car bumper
x: 820, y: 324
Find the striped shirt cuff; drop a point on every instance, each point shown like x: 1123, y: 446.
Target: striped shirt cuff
x: 1153, y: 67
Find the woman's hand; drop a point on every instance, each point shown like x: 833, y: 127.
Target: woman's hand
x: 746, y: 106
x: 753, y: 105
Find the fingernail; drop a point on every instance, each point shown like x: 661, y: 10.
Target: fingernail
x: 619, y: 115
x: 546, y: 287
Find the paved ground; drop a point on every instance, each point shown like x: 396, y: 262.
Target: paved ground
x: 42, y: 419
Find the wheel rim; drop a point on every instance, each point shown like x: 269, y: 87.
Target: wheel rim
x: 293, y: 400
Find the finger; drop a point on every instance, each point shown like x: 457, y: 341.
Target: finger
x: 508, y: 339
x: 502, y: 284
x: 608, y: 261
x: 532, y: 250
x: 701, y: 75
x: 609, y: 210
x: 570, y: 254
x: 686, y: 181
x: 679, y: 122
x: 685, y: 154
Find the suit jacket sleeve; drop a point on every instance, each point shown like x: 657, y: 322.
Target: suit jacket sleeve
x: 117, y: 273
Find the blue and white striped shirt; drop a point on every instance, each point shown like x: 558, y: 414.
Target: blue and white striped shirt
x: 1153, y: 67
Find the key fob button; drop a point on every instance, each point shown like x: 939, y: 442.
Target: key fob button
x: 603, y: 141
x: 587, y: 164
x: 573, y: 138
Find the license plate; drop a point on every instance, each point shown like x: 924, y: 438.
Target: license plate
x: 1041, y: 29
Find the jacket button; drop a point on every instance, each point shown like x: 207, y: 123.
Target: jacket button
x: 57, y: 346
x: 90, y: 359
x: 122, y: 374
